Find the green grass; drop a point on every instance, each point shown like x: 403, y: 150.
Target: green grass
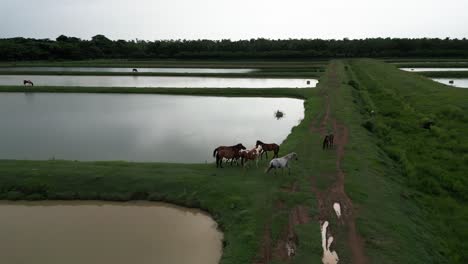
x: 445, y: 74
x: 242, y: 201
x: 300, y: 93
x: 437, y: 64
x: 413, y: 189
x: 173, y: 63
x: 407, y: 184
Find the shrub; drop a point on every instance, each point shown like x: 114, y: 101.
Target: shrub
x: 14, y: 195
x: 369, y: 125
x: 452, y: 112
x: 353, y: 84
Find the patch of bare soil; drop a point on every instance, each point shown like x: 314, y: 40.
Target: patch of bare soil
x: 336, y: 193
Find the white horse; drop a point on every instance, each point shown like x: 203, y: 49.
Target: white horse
x: 281, y: 163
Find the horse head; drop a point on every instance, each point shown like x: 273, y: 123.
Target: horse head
x: 240, y: 146
x: 258, y: 143
x: 293, y: 155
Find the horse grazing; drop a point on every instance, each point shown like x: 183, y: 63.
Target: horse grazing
x: 252, y: 154
x: 268, y: 147
x: 28, y: 82
x: 328, y: 141
x: 134, y: 70
x: 227, y: 152
x: 281, y: 163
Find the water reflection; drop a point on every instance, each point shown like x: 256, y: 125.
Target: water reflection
x: 460, y: 83
x: 156, y: 81
x: 433, y: 69
x: 137, y: 127
x: 115, y: 69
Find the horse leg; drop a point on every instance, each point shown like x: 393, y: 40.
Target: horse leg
x: 266, y: 154
x: 269, y: 169
x: 220, y: 160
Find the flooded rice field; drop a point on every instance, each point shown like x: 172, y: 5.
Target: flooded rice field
x: 460, y: 83
x: 157, y: 81
x: 119, y: 69
x: 163, y: 128
x: 103, y: 232
x: 433, y: 69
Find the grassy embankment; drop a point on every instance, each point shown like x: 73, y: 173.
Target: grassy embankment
x: 298, y: 69
x: 426, y: 167
x: 405, y: 182
x: 428, y: 64
x: 242, y: 201
x: 267, y: 64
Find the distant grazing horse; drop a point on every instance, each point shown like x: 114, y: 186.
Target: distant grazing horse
x: 328, y: 141
x: 268, y: 147
x: 227, y: 152
x: 28, y: 82
x: 331, y: 137
x: 281, y: 163
x: 134, y: 70
x: 252, y: 154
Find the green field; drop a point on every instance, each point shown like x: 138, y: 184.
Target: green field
x: 445, y: 74
x: 267, y: 64
x: 402, y: 186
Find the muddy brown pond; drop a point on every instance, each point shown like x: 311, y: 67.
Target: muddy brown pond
x: 104, y: 232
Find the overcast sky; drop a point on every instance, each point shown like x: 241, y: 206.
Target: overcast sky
x: 234, y: 19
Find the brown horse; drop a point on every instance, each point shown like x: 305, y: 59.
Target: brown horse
x: 252, y: 154
x: 227, y: 152
x: 268, y: 147
x: 28, y: 82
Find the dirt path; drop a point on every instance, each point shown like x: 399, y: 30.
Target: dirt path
x: 336, y: 193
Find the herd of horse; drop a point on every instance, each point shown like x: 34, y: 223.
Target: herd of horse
x: 240, y: 152
x: 26, y: 82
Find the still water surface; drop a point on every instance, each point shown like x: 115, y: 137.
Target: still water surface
x: 161, y: 128
x: 433, y: 69
x: 98, y: 232
x: 460, y: 83
x: 156, y: 81
x: 110, y: 69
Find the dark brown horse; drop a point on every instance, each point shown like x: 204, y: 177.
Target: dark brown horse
x: 28, y: 82
x: 227, y: 152
x: 268, y: 147
x: 328, y: 141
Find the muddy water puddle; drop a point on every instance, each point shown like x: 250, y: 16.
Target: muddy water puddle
x: 103, y: 232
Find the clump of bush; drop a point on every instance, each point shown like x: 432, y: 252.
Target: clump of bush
x: 452, y: 112
x: 427, y: 123
x: 369, y: 125
x: 353, y: 84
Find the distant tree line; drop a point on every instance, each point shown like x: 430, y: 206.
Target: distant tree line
x: 100, y: 47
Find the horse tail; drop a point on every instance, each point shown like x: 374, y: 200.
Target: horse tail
x: 214, y: 152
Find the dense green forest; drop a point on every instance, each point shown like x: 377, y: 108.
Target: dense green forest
x: 100, y: 47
